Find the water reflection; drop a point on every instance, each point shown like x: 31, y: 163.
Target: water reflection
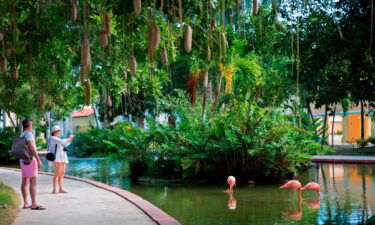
x: 346, y: 196
x: 312, y: 204
x: 295, y: 214
x: 232, y: 202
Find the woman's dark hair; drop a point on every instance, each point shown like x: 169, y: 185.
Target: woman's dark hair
x: 26, y: 123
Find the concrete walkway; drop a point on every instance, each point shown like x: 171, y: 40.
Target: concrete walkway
x: 84, y: 204
x: 343, y: 159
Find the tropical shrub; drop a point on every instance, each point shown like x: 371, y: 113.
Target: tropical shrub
x: 256, y: 144
x: 6, y: 138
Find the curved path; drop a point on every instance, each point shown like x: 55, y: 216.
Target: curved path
x: 88, y: 202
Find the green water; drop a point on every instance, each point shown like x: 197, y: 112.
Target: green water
x: 347, y: 196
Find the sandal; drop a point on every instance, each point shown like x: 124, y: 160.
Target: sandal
x: 38, y: 208
x: 26, y: 207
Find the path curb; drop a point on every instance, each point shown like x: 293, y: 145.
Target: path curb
x: 156, y: 214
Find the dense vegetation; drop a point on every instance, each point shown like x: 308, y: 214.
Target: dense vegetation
x: 222, y: 71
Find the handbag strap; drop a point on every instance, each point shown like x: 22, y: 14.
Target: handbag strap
x: 27, y: 149
x: 55, y: 145
x: 24, y: 135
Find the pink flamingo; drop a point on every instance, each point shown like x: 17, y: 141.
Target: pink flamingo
x: 312, y: 186
x: 293, y: 185
x: 232, y: 182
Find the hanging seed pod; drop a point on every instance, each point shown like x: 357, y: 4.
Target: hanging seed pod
x: 124, y: 75
x: 15, y: 73
x: 133, y: 65
x: 85, y: 51
x: 224, y: 44
x: 88, y: 66
x: 164, y: 56
x: 201, y: 9
x: 49, y: 102
x: 137, y: 7
x: 110, y: 71
x: 154, y: 40
x: 109, y: 101
x: 3, y: 64
x: 103, y: 39
x: 208, y: 56
x: 180, y: 12
x: 106, y: 23
x: 1, y: 36
x: 9, y: 52
x: 83, y: 76
x: 213, y: 24
x: 87, y: 93
x: 188, y: 38
x: 31, y: 88
x: 255, y: 7
x: 74, y: 10
x: 42, y: 99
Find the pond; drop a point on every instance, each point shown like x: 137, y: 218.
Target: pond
x: 347, y: 196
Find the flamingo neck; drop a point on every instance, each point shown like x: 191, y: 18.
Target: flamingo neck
x: 299, y: 193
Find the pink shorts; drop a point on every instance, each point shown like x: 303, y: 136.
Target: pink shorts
x: 29, y: 171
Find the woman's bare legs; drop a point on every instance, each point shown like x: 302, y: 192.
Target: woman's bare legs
x: 24, y: 190
x: 58, y: 168
x: 61, y: 177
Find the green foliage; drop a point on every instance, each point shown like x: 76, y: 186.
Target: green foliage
x: 254, y: 144
x: 6, y: 139
x: 371, y: 139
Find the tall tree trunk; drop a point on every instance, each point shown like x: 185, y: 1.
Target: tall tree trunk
x: 310, y: 114
x: 96, y: 117
x: 324, y: 125
x: 11, y: 120
x: 333, y: 126
x: 205, y: 84
x: 217, y: 97
x: 255, y: 7
x: 4, y: 119
x: 48, y: 125
x: 362, y: 121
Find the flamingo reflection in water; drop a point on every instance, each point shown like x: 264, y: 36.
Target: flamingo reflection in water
x: 313, y: 204
x: 232, y: 202
x: 294, y: 214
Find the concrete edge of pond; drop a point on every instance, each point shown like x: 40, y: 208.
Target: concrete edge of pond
x: 343, y: 159
x: 155, y: 213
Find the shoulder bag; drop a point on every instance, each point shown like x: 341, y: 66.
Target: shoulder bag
x: 20, y: 149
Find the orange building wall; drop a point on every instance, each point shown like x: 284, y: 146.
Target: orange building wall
x: 337, y: 127
x: 353, y: 127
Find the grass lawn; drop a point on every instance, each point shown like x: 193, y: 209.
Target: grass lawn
x: 9, y: 197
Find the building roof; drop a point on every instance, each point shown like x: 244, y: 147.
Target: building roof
x: 84, y: 113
